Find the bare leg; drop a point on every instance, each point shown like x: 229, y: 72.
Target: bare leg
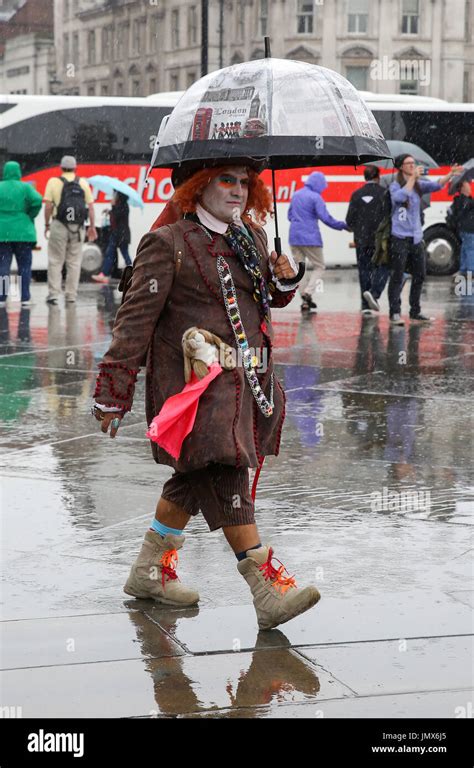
x: 241, y: 537
x: 171, y: 515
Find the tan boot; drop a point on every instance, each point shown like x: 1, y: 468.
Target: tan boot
x: 154, y: 574
x: 276, y: 597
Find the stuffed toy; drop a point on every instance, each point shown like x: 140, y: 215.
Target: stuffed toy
x: 201, y: 349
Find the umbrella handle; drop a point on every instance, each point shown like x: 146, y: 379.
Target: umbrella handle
x: 301, y: 266
x: 297, y: 279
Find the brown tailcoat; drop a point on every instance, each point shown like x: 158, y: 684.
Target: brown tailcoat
x: 157, y: 310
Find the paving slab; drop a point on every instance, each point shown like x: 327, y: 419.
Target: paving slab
x: 167, y: 686
x: 390, y: 617
x: 80, y: 639
x: 440, y: 705
x: 399, y: 666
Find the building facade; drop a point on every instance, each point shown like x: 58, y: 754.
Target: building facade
x: 138, y: 47
x: 27, y: 59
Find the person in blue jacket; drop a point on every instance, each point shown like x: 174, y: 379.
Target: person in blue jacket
x: 307, y: 209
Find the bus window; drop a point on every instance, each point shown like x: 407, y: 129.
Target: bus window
x: 447, y: 136
x: 92, y: 134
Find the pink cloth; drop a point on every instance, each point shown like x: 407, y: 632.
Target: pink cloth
x: 176, y: 419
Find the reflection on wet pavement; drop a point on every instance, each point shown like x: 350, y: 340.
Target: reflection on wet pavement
x: 371, y: 498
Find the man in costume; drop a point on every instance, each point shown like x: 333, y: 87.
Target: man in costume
x: 226, y: 284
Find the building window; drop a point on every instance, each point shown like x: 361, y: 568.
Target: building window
x: 305, y: 16
x: 358, y: 77
x: 136, y: 88
x: 409, y: 87
x: 357, y: 20
x: 121, y: 42
x: 75, y: 49
x: 91, y: 46
x: 175, y: 28
x: 119, y: 89
x: 106, y: 43
x: 154, y: 26
x: 174, y: 81
x: 136, y: 37
x: 468, y: 21
x: 66, y: 9
x: 466, y: 87
x: 240, y: 21
x: 190, y: 79
x: 153, y: 88
x: 263, y: 17
x: 66, y: 52
x: 192, y: 25
x: 104, y: 90
x: 410, y: 17
x: 91, y: 90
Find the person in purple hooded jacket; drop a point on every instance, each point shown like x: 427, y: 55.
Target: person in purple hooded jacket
x: 306, y: 210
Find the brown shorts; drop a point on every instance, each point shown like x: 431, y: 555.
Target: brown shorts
x: 219, y: 491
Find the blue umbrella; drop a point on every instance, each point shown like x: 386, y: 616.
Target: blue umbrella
x: 108, y: 185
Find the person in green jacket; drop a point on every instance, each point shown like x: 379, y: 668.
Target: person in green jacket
x: 19, y: 205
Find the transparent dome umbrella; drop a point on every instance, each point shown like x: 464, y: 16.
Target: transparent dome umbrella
x: 276, y: 113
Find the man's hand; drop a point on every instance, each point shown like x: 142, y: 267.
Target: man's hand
x: 105, y: 418
x: 456, y: 170
x: 91, y: 234
x: 282, y: 267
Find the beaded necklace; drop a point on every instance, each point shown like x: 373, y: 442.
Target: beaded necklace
x: 249, y: 362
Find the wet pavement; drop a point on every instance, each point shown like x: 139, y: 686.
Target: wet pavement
x: 371, y: 498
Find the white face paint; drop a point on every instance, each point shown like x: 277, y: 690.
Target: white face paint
x: 226, y: 195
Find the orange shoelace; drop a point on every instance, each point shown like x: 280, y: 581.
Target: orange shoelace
x: 279, y: 581
x: 168, y: 562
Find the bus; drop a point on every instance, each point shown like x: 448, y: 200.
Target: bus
x: 116, y: 136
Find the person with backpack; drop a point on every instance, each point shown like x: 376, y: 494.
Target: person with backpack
x: 367, y: 208
x: 175, y: 322
x: 69, y: 202
x: 119, y: 237
x: 461, y: 217
x: 407, y: 252
x: 19, y: 206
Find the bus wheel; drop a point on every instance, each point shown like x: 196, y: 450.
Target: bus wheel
x: 442, y: 250
x: 91, y: 260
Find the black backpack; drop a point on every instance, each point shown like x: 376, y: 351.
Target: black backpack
x: 72, y: 207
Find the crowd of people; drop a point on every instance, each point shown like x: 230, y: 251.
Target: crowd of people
x: 372, y: 211
x: 69, y: 204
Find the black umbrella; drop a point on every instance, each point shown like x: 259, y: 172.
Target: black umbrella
x: 466, y: 175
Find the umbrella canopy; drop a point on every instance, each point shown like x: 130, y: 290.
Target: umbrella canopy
x: 466, y: 175
x: 108, y: 185
x: 284, y: 114
x: 406, y: 148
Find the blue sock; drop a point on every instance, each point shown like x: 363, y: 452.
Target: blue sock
x: 163, y: 529
x: 242, y: 555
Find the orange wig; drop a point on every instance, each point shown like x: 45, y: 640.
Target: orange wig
x: 259, y: 201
